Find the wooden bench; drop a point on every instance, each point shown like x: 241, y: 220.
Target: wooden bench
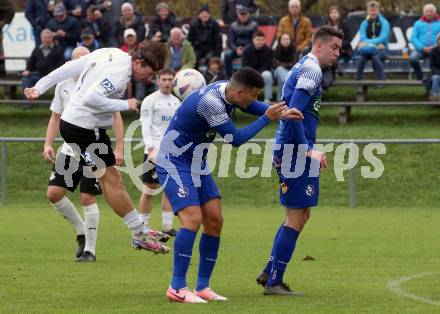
x: 362, y: 87
x: 345, y: 106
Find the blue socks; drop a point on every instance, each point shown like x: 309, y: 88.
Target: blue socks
x: 268, y: 267
x: 208, y: 249
x: 183, y: 246
x: 282, y: 253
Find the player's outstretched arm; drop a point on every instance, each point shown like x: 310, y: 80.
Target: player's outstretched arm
x: 241, y: 136
x: 67, y: 70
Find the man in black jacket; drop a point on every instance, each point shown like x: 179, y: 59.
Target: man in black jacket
x: 259, y: 57
x: 66, y: 30
x: 229, y: 7
x: 163, y: 22
x: 240, y: 35
x: 204, y: 35
x: 43, y: 60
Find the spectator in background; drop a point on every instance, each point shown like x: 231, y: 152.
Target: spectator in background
x: 259, y: 57
x: 205, y: 37
x: 88, y: 40
x: 163, y: 22
x: 215, y: 71
x: 297, y: 26
x: 130, y: 41
x: 111, y: 10
x: 135, y: 88
x: 181, y: 54
x: 284, y: 58
x: 334, y: 19
x: 240, y: 35
x: 39, y: 13
x: 43, y: 60
x: 228, y: 10
x: 374, y: 35
x: 77, y: 8
x: 424, y: 36
x: 130, y: 19
x: 66, y: 30
x: 93, y: 20
x: 434, y: 63
x: 7, y: 12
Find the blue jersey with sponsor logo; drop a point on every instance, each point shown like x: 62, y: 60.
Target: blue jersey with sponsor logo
x: 202, y: 114
x: 301, y: 90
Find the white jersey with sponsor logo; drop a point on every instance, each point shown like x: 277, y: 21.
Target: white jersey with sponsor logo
x: 103, y: 76
x: 156, y: 112
x: 63, y: 91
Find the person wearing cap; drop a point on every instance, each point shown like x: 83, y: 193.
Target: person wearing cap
x: 130, y: 46
x: 130, y: 19
x: 162, y: 23
x: 65, y: 29
x: 240, y: 35
x: 88, y: 40
x: 181, y: 53
x: 228, y: 10
x: 130, y: 41
x: 205, y: 37
x: 298, y: 26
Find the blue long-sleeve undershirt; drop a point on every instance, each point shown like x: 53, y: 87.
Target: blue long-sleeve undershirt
x: 299, y: 100
x: 241, y: 136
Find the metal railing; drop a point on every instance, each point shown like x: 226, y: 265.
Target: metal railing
x: 352, y: 182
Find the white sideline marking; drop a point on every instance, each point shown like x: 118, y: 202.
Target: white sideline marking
x: 394, y: 286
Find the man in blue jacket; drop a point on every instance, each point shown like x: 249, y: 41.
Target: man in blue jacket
x: 66, y: 30
x: 38, y: 13
x: 374, y: 35
x: 424, y: 35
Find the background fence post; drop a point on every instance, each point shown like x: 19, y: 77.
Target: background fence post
x: 4, y: 182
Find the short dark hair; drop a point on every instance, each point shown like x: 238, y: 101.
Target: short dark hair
x: 166, y: 71
x: 215, y: 60
x: 248, y: 78
x: 326, y: 32
x: 258, y: 34
x: 151, y: 53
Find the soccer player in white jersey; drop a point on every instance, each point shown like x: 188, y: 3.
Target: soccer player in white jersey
x: 86, y: 229
x: 156, y: 112
x: 103, y: 78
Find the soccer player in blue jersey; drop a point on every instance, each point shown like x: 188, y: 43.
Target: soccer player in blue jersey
x: 295, y: 158
x: 191, y: 190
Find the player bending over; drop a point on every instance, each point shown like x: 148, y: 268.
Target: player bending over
x: 103, y: 78
x: 302, y: 90
x: 192, y: 191
x: 156, y: 113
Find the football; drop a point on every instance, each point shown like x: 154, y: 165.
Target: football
x: 186, y: 81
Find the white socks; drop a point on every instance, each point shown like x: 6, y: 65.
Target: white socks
x: 91, y: 222
x: 145, y: 218
x: 66, y: 209
x: 167, y: 220
x: 134, y: 223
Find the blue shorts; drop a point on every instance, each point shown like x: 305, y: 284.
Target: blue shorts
x: 188, y: 194
x: 300, y: 192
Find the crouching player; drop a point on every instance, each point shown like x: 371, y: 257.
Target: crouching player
x: 299, y: 192
x: 191, y: 190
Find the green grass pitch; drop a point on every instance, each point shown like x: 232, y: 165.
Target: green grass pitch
x: 357, y: 253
